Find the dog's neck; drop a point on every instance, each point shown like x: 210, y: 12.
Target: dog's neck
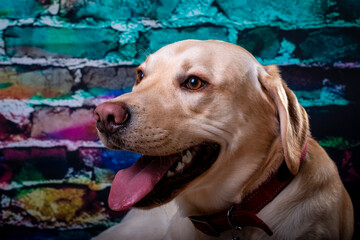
x: 245, y: 212
x: 270, y: 164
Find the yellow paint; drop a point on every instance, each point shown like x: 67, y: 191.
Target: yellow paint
x: 17, y: 91
x: 61, y: 206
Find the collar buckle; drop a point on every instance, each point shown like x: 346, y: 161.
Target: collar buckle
x: 228, y: 216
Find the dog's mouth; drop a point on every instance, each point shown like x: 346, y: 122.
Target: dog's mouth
x: 155, y: 180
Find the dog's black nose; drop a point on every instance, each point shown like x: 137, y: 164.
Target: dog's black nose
x: 110, y: 116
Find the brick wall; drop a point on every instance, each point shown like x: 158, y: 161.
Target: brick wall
x: 61, y: 58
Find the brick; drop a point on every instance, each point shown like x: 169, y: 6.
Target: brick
x: 335, y: 44
x: 110, y: 77
x: 23, y: 82
x: 116, y: 160
x: 343, y: 81
x: 16, y: 111
x: 346, y: 160
x: 91, y: 157
x: 264, y: 12
x: 107, y: 159
x: 349, y: 10
x: 335, y: 121
x: 165, y: 8
x: 37, y: 42
x: 155, y: 39
x: 262, y: 42
x: 107, y: 10
x: 64, y: 123
x: 12, y: 131
x: 22, y: 9
x: 321, y: 45
x: 75, y: 10
x: 49, y: 207
x: 34, y: 164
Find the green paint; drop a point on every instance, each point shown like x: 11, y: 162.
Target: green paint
x: 5, y: 85
x: 70, y: 96
x: 23, y: 192
x: 103, y: 175
x: 97, y: 91
x: 5, y: 12
x: 338, y: 142
x: 28, y: 172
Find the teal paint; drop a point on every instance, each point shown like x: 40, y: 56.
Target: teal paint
x: 323, y: 44
x: 264, y: 42
x: 20, y: 9
x: 272, y: 45
x: 166, y: 8
x: 348, y: 10
x: 267, y: 12
x: 152, y: 41
x: 56, y: 42
x: 319, y: 98
x: 107, y: 10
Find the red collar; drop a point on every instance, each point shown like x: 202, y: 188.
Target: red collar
x: 243, y: 214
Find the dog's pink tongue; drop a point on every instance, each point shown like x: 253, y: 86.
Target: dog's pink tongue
x: 134, y: 183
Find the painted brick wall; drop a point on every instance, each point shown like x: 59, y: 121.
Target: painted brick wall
x: 61, y: 58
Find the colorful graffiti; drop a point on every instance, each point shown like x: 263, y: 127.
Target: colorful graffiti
x: 60, y: 59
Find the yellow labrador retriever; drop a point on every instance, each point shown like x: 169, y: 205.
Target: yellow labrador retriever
x: 227, y: 152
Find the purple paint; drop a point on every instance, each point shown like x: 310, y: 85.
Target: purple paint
x: 85, y: 131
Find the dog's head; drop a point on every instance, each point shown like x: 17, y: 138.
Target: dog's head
x: 199, y: 112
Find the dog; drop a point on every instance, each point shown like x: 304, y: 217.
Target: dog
x: 227, y: 152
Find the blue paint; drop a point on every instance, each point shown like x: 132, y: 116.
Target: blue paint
x: 116, y: 160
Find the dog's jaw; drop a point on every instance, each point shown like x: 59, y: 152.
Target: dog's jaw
x: 156, y: 180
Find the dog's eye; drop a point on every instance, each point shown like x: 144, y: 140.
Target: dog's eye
x: 140, y: 76
x: 194, y: 83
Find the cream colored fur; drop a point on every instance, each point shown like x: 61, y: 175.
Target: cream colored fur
x: 250, y: 112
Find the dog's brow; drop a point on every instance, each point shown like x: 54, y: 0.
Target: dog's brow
x: 140, y: 68
x: 186, y: 65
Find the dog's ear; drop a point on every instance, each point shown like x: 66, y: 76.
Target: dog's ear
x: 294, y: 123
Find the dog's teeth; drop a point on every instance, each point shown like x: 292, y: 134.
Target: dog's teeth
x: 180, y: 166
x: 170, y: 174
x: 195, y: 150
x: 187, y: 157
x: 188, y: 153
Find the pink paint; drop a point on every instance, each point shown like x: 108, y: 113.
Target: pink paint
x: 84, y: 131
x: 7, y: 174
x: 346, y: 159
x: 346, y: 164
